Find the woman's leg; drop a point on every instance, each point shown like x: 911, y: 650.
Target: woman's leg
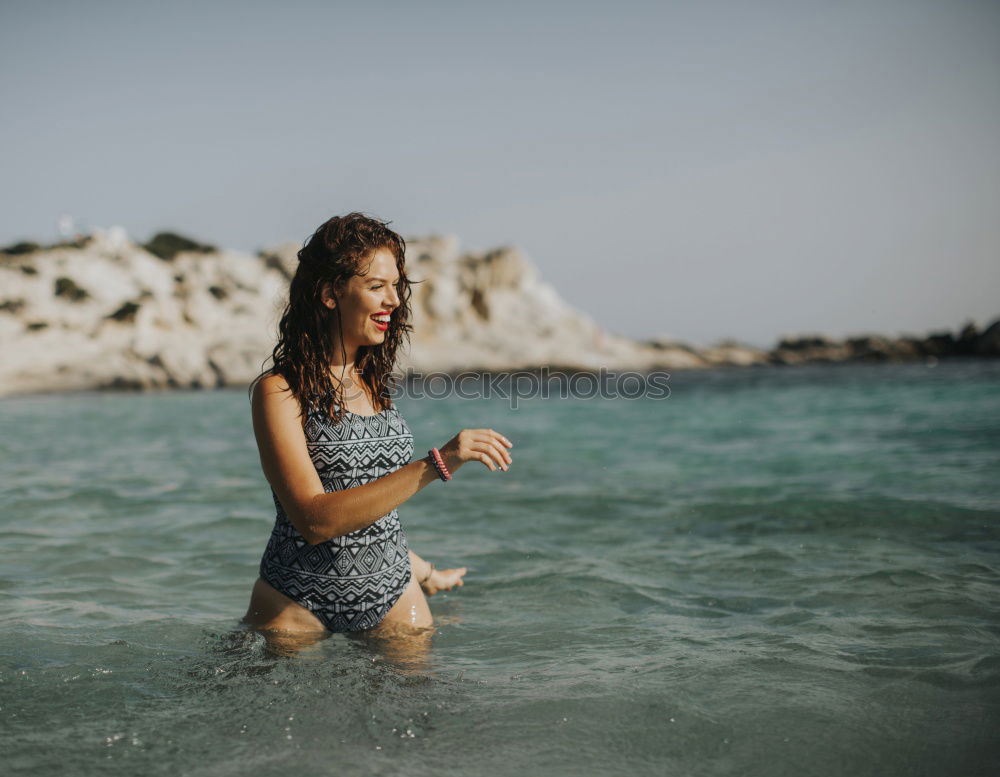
x: 403, y: 638
x: 404, y: 632
x: 410, y: 610
x: 271, y: 610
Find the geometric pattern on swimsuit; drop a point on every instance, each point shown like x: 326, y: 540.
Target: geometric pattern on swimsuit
x: 348, y: 582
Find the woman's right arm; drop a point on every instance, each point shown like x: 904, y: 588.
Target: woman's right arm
x: 320, y: 516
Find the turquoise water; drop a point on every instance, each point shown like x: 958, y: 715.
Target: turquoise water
x: 772, y: 572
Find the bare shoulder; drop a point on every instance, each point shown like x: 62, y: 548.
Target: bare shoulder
x: 273, y: 389
x: 268, y: 385
x: 273, y: 400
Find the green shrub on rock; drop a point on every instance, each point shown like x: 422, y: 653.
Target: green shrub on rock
x: 167, y: 245
x: 126, y: 313
x: 20, y: 249
x: 66, y: 287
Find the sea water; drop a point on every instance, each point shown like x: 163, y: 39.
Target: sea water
x: 770, y: 572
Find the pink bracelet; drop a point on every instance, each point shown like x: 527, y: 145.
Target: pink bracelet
x: 442, y: 470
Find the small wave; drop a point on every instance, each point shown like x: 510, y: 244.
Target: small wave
x: 898, y: 578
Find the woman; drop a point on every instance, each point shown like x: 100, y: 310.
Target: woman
x: 336, y: 450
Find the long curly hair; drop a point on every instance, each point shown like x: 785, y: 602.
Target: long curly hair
x: 335, y: 252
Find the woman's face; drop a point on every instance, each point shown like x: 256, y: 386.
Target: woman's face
x: 365, y: 301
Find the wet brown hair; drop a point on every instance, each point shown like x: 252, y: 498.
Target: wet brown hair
x: 338, y: 250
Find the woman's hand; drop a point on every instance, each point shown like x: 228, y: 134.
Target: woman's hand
x: 443, y: 580
x: 483, y: 445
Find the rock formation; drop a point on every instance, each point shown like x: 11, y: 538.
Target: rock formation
x: 104, y: 312
x: 969, y: 342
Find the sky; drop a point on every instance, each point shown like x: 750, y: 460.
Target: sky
x: 697, y: 170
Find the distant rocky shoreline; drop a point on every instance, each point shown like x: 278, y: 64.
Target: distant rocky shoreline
x: 104, y: 312
x: 968, y: 342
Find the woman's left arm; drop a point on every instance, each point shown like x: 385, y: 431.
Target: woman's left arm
x: 432, y: 579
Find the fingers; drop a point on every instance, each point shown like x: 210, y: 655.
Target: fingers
x: 453, y: 577
x: 483, y: 445
x: 498, y: 438
x: 490, y: 457
x: 494, y: 445
x: 444, y: 580
x: 502, y: 452
x: 484, y: 457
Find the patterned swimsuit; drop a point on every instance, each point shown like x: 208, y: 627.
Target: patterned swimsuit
x: 349, y: 582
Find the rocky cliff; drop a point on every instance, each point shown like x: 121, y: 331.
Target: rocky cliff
x: 106, y: 312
